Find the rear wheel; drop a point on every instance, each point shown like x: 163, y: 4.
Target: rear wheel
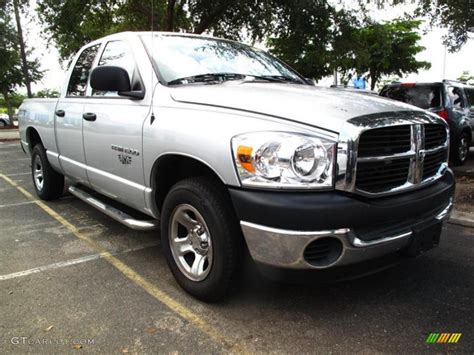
x: 460, y: 152
x: 49, y: 184
x: 201, y: 238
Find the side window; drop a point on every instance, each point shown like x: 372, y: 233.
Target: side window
x: 80, y: 73
x: 456, y: 97
x: 119, y: 54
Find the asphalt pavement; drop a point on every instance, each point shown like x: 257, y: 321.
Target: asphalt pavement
x: 72, y: 280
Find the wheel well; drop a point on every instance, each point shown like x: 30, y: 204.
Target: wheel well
x: 469, y: 134
x: 171, y: 169
x: 32, y: 137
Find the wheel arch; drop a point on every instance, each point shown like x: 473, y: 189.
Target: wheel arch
x: 170, y: 168
x: 32, y: 138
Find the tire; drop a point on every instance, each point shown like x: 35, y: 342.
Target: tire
x: 3, y: 123
x: 49, y: 184
x: 460, y: 151
x: 215, y: 240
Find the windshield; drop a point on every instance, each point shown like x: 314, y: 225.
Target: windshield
x: 180, y: 57
x: 423, y: 96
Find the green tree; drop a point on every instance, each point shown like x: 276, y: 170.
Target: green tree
x: 72, y: 23
x: 47, y: 93
x: 457, y: 16
x: 315, y: 38
x: 466, y: 77
x: 388, y: 49
x: 10, y: 63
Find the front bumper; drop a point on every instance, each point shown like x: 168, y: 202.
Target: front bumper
x: 362, y: 229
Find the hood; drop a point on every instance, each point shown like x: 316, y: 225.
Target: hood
x: 317, y: 106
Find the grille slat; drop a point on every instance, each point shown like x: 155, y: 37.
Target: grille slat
x: 378, y: 176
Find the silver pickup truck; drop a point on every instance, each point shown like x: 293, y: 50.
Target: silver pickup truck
x: 227, y: 150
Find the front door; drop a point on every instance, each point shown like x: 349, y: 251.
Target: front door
x: 69, y: 119
x: 113, y: 134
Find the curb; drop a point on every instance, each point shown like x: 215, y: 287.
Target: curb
x: 462, y: 219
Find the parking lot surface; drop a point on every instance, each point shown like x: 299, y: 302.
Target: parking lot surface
x: 72, y: 279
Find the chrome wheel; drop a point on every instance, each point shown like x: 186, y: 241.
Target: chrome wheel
x: 38, y: 175
x: 190, y: 242
x: 463, y: 148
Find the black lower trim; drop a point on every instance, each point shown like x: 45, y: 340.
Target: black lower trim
x: 313, y: 211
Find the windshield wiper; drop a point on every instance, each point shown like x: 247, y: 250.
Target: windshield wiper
x: 277, y: 78
x: 207, y: 78
x: 221, y: 77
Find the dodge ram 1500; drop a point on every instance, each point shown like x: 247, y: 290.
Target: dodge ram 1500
x: 224, y: 149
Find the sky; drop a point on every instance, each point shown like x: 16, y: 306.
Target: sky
x: 434, y: 53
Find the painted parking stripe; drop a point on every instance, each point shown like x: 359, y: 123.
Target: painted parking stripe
x: 17, y: 204
x: 14, y: 160
x: 62, y: 264
x: 228, y: 343
x: 18, y: 174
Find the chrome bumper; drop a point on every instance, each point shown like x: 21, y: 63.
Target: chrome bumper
x: 285, y: 248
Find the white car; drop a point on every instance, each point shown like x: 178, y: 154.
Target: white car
x: 4, y: 120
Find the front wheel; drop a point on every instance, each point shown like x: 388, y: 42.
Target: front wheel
x: 49, y: 184
x: 460, y: 151
x: 201, y: 238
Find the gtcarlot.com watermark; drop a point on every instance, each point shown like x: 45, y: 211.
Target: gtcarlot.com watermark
x: 22, y: 340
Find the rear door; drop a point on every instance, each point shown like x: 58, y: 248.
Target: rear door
x: 69, y: 120
x: 113, y: 139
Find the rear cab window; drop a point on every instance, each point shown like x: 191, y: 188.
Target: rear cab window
x: 425, y: 96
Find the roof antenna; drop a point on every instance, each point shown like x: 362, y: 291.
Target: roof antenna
x: 152, y: 118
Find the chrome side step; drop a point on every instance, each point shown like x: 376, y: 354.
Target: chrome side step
x: 113, y: 212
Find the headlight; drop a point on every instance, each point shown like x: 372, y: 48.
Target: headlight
x: 284, y: 160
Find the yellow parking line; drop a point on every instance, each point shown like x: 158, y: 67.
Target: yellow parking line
x: 132, y: 275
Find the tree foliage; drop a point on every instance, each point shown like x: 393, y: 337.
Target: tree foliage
x: 388, y: 49
x: 73, y: 23
x: 457, y: 16
x: 466, y: 77
x: 11, y: 71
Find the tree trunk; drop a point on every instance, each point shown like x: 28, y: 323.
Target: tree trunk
x: 8, y: 102
x: 170, y: 15
x: 24, y: 63
x: 373, y: 79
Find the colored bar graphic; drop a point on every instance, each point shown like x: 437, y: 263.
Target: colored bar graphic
x: 443, y: 338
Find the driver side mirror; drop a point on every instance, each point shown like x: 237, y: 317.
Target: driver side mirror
x: 111, y: 78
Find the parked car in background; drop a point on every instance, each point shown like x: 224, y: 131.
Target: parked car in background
x: 451, y: 100
x: 4, y: 120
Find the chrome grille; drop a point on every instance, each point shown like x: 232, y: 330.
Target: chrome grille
x: 385, y: 141
x: 391, y: 159
x: 381, y: 175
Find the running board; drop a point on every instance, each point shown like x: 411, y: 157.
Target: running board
x: 113, y: 212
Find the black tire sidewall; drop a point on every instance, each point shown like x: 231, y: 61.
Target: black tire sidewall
x: 223, y: 238
x: 456, y: 157
x: 53, y: 183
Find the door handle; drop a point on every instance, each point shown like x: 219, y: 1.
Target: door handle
x: 89, y: 116
x: 60, y: 113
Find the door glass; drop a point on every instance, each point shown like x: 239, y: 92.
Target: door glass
x: 456, y: 97
x: 118, y: 54
x: 470, y: 96
x: 80, y: 74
